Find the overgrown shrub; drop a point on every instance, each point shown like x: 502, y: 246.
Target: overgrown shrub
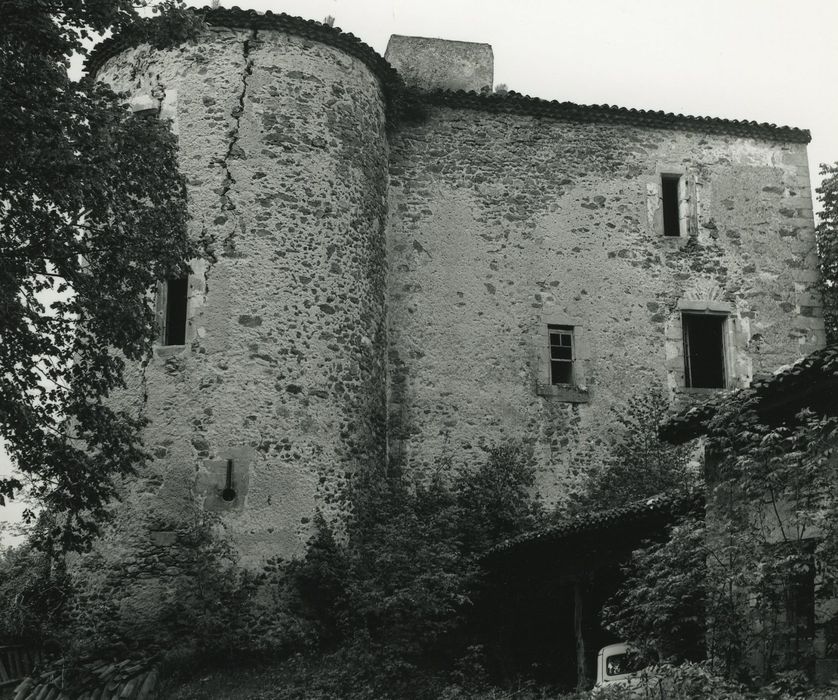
x: 189, y: 599
x: 497, y: 501
x: 381, y: 614
x: 685, y: 681
x: 33, y: 595
x: 638, y: 464
x: 772, y: 512
x: 390, y: 607
x: 661, y: 607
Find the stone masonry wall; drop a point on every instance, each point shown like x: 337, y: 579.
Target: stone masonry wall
x: 500, y: 224
x: 330, y: 305
x: 284, y: 152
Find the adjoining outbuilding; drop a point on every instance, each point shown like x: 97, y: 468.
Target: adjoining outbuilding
x: 772, y: 512
x: 541, y: 614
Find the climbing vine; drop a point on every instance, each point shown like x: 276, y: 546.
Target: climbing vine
x: 827, y: 237
x: 745, y: 576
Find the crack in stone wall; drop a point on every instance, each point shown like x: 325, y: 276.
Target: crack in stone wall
x: 233, y: 148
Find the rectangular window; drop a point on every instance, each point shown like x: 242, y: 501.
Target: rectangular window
x: 704, y: 350
x: 175, y: 322
x: 671, y: 205
x: 561, y: 354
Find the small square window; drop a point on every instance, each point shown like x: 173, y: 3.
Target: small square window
x: 704, y: 350
x: 561, y: 354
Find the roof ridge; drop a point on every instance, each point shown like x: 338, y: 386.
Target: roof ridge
x: 399, y: 98
x: 237, y: 18
x: 516, y: 102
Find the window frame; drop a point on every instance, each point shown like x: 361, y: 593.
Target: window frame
x: 738, y: 363
x: 576, y: 390
x: 678, y: 180
x: 724, y: 318
x: 562, y: 332
x: 710, y: 307
x: 687, y: 202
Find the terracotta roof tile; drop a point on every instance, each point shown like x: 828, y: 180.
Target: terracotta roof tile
x: 516, y: 103
x: 662, y: 504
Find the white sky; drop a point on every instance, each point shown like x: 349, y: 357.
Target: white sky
x: 771, y: 61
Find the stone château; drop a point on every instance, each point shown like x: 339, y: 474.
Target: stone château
x: 406, y: 268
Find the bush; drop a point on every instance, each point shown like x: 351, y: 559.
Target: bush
x: 639, y: 465
x: 380, y: 615
x: 660, y: 606
x: 390, y: 607
x: 33, y: 595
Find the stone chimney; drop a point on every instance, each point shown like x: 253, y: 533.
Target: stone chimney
x: 439, y: 64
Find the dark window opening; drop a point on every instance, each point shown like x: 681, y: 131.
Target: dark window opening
x: 704, y: 350
x: 175, y: 332
x: 561, y: 354
x: 671, y: 213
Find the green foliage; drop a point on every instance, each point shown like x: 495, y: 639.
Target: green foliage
x: 33, y: 595
x: 772, y: 512
x: 93, y: 215
x: 301, y: 678
x: 317, y: 584
x: 661, y: 606
x: 699, y: 681
x: 686, y: 681
x: 639, y: 465
x: 827, y: 237
x: 205, y: 610
x: 407, y: 577
x: 496, y: 501
x: 389, y: 608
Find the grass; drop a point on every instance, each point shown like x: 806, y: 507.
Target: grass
x: 300, y: 678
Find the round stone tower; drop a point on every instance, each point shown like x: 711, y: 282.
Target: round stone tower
x: 267, y: 388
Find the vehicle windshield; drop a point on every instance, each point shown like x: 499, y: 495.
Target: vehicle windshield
x: 618, y: 664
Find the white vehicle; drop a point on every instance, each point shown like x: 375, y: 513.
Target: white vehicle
x: 615, y: 665
x: 619, y: 669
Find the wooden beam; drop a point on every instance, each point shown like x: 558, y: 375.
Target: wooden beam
x: 581, y: 669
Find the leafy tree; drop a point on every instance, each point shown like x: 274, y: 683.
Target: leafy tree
x: 34, y: 590
x: 92, y: 215
x: 827, y: 236
x: 772, y: 512
x: 661, y: 604
x: 496, y: 500
x: 639, y: 464
x: 390, y: 607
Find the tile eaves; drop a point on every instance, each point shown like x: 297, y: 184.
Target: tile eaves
x: 591, y: 522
